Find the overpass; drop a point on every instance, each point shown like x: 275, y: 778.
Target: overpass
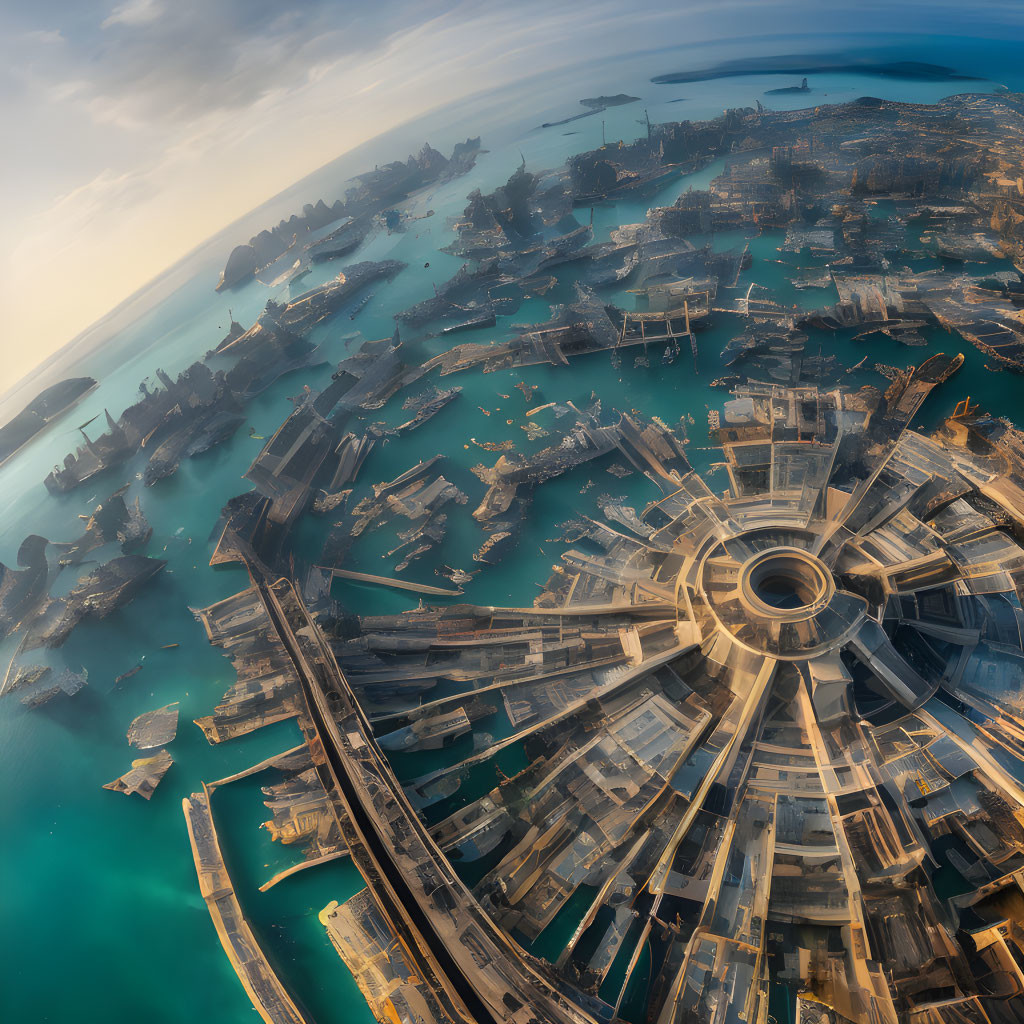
x: 476, y: 972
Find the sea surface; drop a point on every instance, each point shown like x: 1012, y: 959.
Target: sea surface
x: 100, y: 914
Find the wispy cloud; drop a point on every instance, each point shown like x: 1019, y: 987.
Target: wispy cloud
x: 134, y: 12
x: 100, y: 207
x: 49, y: 37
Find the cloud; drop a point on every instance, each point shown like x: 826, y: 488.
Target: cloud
x: 77, y: 213
x: 134, y: 12
x: 170, y: 63
x: 43, y: 35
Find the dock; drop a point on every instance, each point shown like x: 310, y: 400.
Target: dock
x: 268, y: 762
x: 269, y: 996
x: 388, y: 581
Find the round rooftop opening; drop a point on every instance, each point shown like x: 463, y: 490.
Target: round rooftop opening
x: 782, y: 591
x: 781, y: 581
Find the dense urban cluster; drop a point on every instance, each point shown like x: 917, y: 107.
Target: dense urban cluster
x: 770, y: 725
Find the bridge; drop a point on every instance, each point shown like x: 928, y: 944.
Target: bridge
x: 476, y: 972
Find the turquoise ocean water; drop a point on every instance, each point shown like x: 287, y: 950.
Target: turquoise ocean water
x: 101, y: 914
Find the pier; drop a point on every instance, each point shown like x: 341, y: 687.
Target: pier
x: 269, y: 996
x: 389, y: 581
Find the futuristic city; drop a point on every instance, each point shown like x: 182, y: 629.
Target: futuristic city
x: 559, y: 562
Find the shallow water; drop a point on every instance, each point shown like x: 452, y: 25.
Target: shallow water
x: 104, y: 918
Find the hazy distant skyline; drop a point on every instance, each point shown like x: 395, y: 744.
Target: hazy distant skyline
x: 136, y: 130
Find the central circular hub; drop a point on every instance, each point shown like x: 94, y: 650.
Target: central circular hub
x: 782, y: 591
x: 772, y: 595
x: 785, y: 583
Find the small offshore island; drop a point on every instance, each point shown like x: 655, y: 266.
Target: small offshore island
x: 789, y: 90
x: 595, y: 105
x: 41, y: 411
x: 754, y: 751
x: 603, y: 102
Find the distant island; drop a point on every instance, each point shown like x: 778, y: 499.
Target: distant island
x: 596, y: 104
x: 826, y: 63
x: 618, y: 100
x: 802, y: 87
x: 44, y: 408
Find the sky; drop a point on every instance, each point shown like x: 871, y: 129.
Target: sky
x: 135, y: 130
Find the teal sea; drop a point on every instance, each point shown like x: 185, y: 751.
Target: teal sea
x: 100, y: 914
